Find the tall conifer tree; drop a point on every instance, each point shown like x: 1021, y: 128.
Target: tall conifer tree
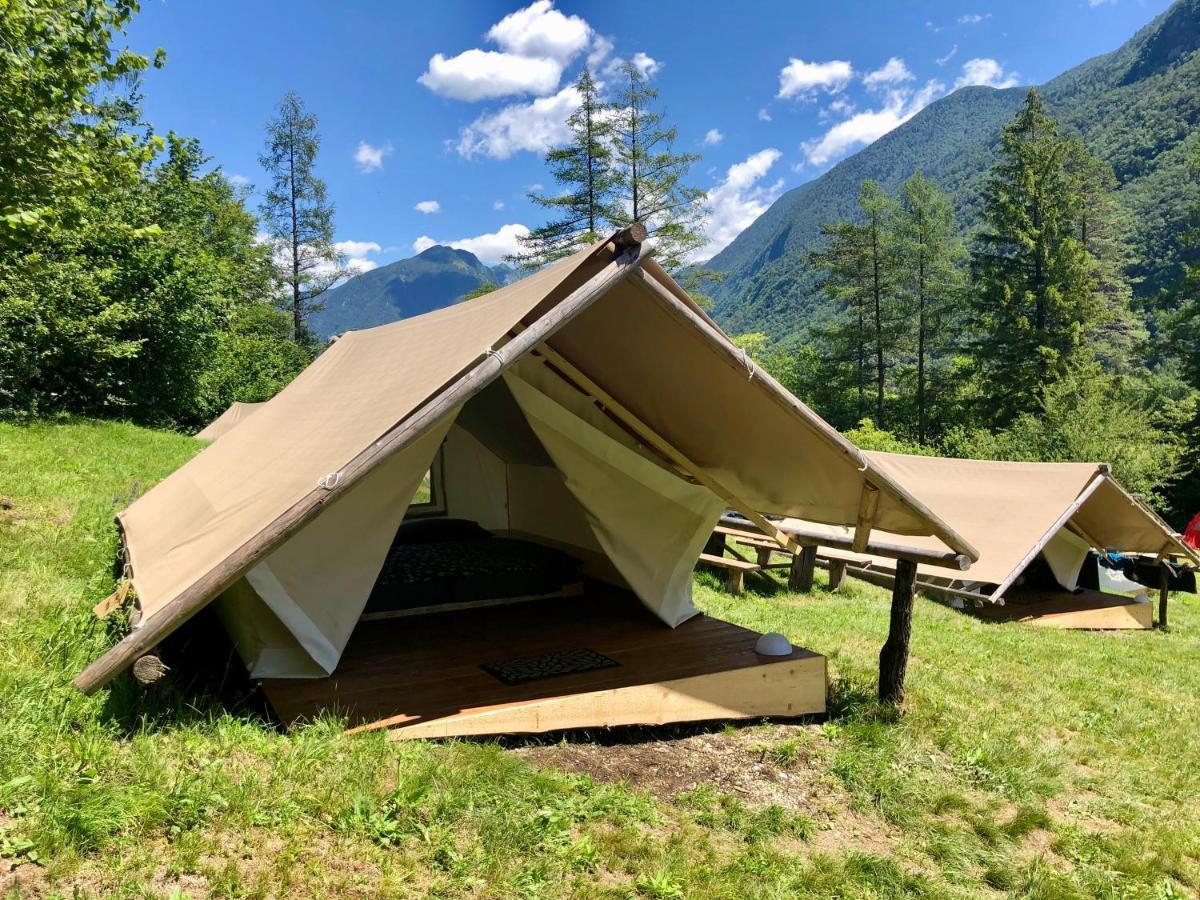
x: 584, y: 167
x: 1036, y: 298
x: 650, y: 175
x: 929, y: 277
x: 297, y: 213
x: 859, y: 270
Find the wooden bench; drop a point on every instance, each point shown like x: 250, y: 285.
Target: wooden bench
x: 735, y: 570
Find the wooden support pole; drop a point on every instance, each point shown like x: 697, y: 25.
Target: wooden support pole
x: 1164, y: 583
x: 735, y: 581
x: 486, y: 370
x: 764, y: 556
x: 893, y: 658
x: 868, y: 503
x: 716, y: 544
x: 800, y: 575
x: 837, y: 574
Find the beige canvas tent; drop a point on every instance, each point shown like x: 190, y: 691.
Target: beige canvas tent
x: 228, y: 420
x: 590, y: 408
x: 1020, y: 514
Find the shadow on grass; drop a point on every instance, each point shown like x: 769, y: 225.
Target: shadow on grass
x: 206, y: 681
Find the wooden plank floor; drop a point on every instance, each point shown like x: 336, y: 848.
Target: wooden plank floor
x: 1086, y: 610
x: 421, y: 669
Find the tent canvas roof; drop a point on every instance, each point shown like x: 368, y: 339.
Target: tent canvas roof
x: 610, y: 310
x: 228, y: 420
x: 1008, y: 509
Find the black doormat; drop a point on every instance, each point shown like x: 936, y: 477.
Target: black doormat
x: 534, y: 668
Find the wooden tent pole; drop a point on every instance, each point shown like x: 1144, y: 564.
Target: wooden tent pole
x: 893, y: 658
x: 815, y: 423
x: 632, y: 248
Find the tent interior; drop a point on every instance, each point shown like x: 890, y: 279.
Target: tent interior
x: 527, y: 553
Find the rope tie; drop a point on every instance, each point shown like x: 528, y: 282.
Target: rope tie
x: 330, y: 481
x: 747, y: 362
x: 492, y: 353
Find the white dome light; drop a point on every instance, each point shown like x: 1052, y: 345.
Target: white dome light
x: 773, y: 644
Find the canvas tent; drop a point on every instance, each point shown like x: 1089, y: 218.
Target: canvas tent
x: 1016, y: 512
x: 228, y: 420
x: 591, y: 405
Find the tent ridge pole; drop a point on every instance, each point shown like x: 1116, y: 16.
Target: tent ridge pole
x: 197, y: 596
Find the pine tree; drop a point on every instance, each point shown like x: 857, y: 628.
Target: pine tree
x: 859, y: 272
x: 930, y: 279
x: 1036, y: 299
x: 650, y: 175
x: 296, y: 212
x: 584, y: 167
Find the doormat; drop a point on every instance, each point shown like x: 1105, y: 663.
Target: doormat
x: 534, y: 668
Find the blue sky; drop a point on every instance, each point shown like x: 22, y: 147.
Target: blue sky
x: 434, y: 115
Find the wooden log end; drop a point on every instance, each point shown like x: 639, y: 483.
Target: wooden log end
x: 149, y: 669
x: 631, y: 235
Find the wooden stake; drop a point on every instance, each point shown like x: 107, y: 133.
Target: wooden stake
x: 837, y: 574
x: 800, y: 575
x: 893, y: 658
x: 178, y: 610
x: 149, y: 669
x: 1164, y: 582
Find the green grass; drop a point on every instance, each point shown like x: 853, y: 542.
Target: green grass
x: 1028, y: 762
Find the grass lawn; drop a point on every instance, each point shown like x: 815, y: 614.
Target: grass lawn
x: 1028, y: 762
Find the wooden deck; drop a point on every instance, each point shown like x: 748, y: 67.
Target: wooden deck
x: 1087, y: 610
x: 422, y: 676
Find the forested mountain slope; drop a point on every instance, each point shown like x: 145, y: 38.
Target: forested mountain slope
x: 1136, y: 108
x: 430, y: 280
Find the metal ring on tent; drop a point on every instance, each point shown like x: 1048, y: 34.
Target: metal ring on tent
x: 330, y: 481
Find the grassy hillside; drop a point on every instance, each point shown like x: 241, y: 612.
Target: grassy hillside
x: 1137, y: 108
x: 1029, y: 763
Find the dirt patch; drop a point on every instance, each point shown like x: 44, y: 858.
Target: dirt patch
x: 786, y: 765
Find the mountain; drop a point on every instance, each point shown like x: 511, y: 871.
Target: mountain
x: 1137, y: 108
x: 430, y: 280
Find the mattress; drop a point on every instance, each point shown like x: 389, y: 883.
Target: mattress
x: 432, y: 577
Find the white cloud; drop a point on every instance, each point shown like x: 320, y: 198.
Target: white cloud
x: 490, y: 248
x: 731, y: 206
x: 802, y: 79
x: 930, y: 26
x: 868, y: 125
x: 950, y: 54
x: 601, y: 48
x: 713, y: 136
x: 1094, y: 3
x: 355, y: 255
x: 839, y: 108
x: 536, y: 43
x: 764, y: 116
x: 536, y: 126
x: 973, y: 18
x: 893, y: 71
x: 238, y: 179
x: 428, y: 206
x: 370, y: 159
x: 498, y: 205
x: 646, y: 65
x: 540, y: 30
x: 485, y: 74
x: 986, y: 72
